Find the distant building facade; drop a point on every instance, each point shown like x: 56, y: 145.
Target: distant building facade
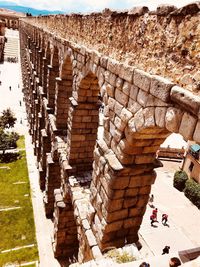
x: 11, y: 18
x: 191, y: 164
x: 2, y: 39
x: 173, y: 147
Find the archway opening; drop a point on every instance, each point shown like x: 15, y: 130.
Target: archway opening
x: 63, y: 93
x: 83, y: 122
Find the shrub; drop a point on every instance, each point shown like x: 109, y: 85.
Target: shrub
x: 8, y: 140
x: 120, y: 257
x: 180, y: 178
x: 192, y: 192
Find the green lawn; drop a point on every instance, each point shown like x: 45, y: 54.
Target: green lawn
x: 20, y: 142
x: 16, y: 226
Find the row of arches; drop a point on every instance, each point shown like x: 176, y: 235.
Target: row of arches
x: 63, y: 82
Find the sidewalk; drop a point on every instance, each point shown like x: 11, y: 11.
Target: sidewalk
x: 183, y: 231
x: 44, y: 226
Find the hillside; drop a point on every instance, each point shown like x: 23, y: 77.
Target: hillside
x: 23, y: 9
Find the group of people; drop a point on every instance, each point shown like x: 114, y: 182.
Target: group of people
x: 173, y: 262
x: 153, y: 219
x: 154, y: 215
x: 12, y: 59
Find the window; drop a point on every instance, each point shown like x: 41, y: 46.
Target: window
x: 191, y: 166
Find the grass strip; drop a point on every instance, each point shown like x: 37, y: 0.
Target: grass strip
x: 16, y: 226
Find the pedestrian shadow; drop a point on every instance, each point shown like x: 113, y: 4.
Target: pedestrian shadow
x: 151, y: 206
x: 166, y: 224
x: 155, y: 226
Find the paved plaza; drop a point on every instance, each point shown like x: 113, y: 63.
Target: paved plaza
x: 183, y: 231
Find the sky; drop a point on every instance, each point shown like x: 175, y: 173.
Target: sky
x: 85, y: 6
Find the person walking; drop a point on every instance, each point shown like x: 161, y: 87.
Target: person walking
x: 155, y: 213
x: 153, y: 219
x: 151, y: 200
x: 166, y: 250
x: 164, y: 219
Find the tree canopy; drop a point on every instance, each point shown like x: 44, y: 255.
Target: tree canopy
x: 7, y: 139
x: 7, y: 119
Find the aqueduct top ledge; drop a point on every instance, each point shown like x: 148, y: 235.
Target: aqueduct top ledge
x: 164, y: 42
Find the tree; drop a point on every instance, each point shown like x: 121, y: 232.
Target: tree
x: 7, y: 120
x: 7, y: 139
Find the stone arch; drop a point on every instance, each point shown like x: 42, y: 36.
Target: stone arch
x: 63, y: 93
x: 83, y: 121
x: 127, y: 173
x: 140, y: 135
x: 53, y: 72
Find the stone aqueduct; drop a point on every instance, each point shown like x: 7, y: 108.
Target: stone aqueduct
x: 96, y: 189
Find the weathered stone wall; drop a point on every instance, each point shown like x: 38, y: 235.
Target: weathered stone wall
x: 165, y: 42
x: 65, y: 83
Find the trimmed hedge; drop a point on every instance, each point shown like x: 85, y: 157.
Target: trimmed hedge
x: 180, y: 178
x: 192, y: 192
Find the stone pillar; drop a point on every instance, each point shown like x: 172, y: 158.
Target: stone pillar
x: 63, y: 93
x: 37, y: 59
x: 119, y: 194
x: 40, y: 65
x: 35, y: 127
x: 31, y: 101
x: 28, y: 42
x: 33, y: 53
x: 65, y: 230
x: 45, y: 148
x: 44, y: 75
x: 52, y: 182
x: 39, y: 139
x: 51, y: 76
x: 41, y: 122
